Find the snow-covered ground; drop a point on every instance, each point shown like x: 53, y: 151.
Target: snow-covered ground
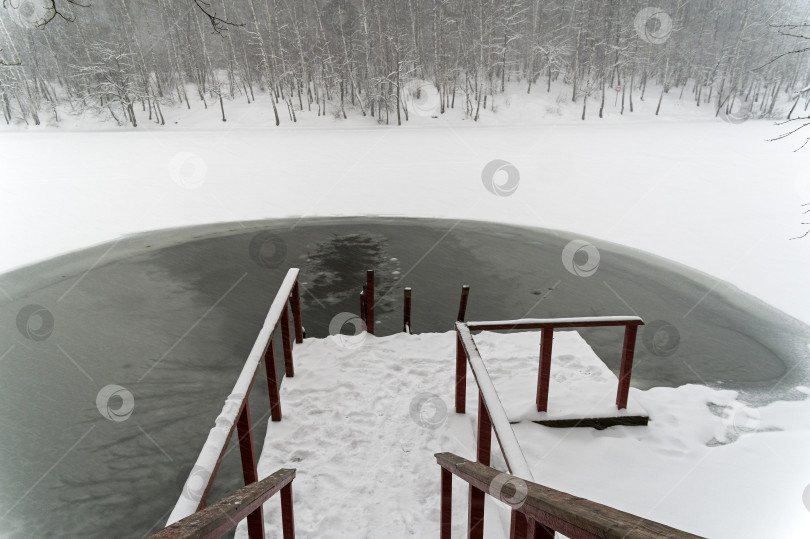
x: 684, y: 185
x: 363, y: 417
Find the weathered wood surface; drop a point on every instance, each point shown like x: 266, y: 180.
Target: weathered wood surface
x: 217, y: 519
x: 573, y: 516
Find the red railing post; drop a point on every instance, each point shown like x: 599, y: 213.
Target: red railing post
x: 462, y: 304
x: 287, y: 515
x: 272, y: 381
x: 286, y: 342
x: 484, y: 447
x: 544, y: 370
x: 406, y: 317
x: 363, y: 304
x: 461, y: 376
x: 535, y: 530
x: 446, y: 504
x: 249, y: 472
x: 295, y: 299
x: 370, y: 301
x: 628, y: 348
x: 484, y: 432
x: 517, y: 527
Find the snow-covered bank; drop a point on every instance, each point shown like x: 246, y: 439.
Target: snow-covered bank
x: 685, y: 185
x: 363, y: 418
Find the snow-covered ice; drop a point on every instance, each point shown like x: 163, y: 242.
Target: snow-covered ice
x: 684, y: 185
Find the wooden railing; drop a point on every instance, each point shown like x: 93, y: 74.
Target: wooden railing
x: 236, y: 412
x: 539, y: 511
x: 223, y: 516
x: 547, y: 327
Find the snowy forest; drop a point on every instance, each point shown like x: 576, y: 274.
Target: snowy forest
x: 125, y: 60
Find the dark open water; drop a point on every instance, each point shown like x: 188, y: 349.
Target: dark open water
x: 171, y: 316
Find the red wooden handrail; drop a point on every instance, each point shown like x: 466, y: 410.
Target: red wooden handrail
x: 223, y: 516
x: 539, y: 511
x: 547, y: 327
x: 235, y: 413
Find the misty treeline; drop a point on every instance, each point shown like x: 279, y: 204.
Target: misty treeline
x: 128, y: 59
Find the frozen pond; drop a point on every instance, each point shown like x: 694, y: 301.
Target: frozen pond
x: 170, y: 317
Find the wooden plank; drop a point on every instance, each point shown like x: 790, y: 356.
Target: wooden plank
x: 598, y: 423
x: 553, y: 323
x: 573, y: 516
x: 217, y: 519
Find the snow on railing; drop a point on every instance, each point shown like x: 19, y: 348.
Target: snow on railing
x: 539, y: 511
x: 490, y: 411
x: 235, y: 411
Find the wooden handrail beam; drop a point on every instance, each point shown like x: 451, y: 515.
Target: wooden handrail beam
x: 570, y: 515
x: 217, y: 519
x: 553, y: 323
x: 216, y: 444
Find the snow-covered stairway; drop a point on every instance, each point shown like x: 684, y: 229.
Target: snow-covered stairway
x: 363, y: 418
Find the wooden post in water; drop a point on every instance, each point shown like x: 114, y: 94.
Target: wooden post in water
x: 406, y: 319
x: 363, y: 304
x: 370, y: 301
x: 462, y: 306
